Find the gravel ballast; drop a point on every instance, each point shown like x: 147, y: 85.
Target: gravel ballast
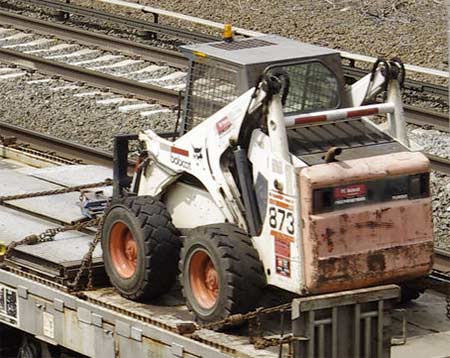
x: 415, y: 31
x: 74, y: 111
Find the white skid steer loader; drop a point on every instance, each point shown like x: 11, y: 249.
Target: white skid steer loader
x: 284, y: 181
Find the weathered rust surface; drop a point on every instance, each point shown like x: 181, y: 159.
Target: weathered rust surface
x: 366, y: 244
x: 356, y: 170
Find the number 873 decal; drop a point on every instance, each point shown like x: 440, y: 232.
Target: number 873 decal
x: 282, y: 225
x: 281, y: 217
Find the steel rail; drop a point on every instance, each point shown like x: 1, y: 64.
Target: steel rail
x: 62, y: 147
x: 175, y: 15
x: 414, y: 115
x: 109, y: 43
x: 196, y: 36
x: 250, y: 33
x: 439, y: 164
x: 123, y: 20
x: 127, y: 87
x: 422, y: 116
x: 97, y: 79
x: 410, y: 84
x: 441, y: 260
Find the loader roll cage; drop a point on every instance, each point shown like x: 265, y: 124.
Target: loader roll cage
x: 313, y: 87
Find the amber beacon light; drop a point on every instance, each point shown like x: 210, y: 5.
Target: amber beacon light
x: 228, y: 33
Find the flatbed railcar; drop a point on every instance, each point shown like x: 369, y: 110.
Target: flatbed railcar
x: 38, y: 304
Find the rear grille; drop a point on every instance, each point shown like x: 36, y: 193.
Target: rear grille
x: 392, y: 188
x: 344, y: 133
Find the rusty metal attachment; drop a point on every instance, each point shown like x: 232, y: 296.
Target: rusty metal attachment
x: 330, y: 156
x: 186, y: 327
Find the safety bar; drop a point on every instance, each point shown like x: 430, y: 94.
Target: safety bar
x: 341, y: 113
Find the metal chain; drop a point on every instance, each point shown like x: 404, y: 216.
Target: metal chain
x: 54, y: 191
x: 240, y: 317
x: 86, y: 262
x: 48, y: 235
x: 264, y: 342
x: 255, y: 326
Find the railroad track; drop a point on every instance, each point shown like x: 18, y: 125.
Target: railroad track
x: 92, y: 38
x: 155, y: 27
x: 73, y: 152
x: 439, y: 164
x: 441, y: 260
x: 414, y: 115
x: 426, y: 117
x: 169, y: 97
x: 120, y: 85
x: 439, y: 279
x: 96, y: 156
x: 145, y: 91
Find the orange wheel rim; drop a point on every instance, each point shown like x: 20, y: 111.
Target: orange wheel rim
x: 123, y: 250
x: 204, y: 279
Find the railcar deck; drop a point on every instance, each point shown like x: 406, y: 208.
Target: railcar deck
x: 35, y: 295
x: 46, y: 269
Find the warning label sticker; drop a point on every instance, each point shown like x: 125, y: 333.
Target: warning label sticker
x: 283, y: 257
x: 48, y: 325
x: 283, y: 266
x: 8, y: 305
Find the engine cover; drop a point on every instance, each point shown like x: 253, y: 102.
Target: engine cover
x: 366, y: 221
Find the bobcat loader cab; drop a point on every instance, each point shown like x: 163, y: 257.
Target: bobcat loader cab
x: 277, y: 178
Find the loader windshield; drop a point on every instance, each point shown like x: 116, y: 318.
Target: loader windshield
x: 313, y: 87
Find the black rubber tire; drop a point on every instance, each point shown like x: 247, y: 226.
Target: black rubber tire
x: 158, y: 247
x: 240, y: 271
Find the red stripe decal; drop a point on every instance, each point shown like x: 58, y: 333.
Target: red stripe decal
x: 280, y: 236
x: 362, y: 112
x: 223, y: 125
x: 180, y: 151
x: 281, y: 197
x: 310, y: 119
x: 280, y: 204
